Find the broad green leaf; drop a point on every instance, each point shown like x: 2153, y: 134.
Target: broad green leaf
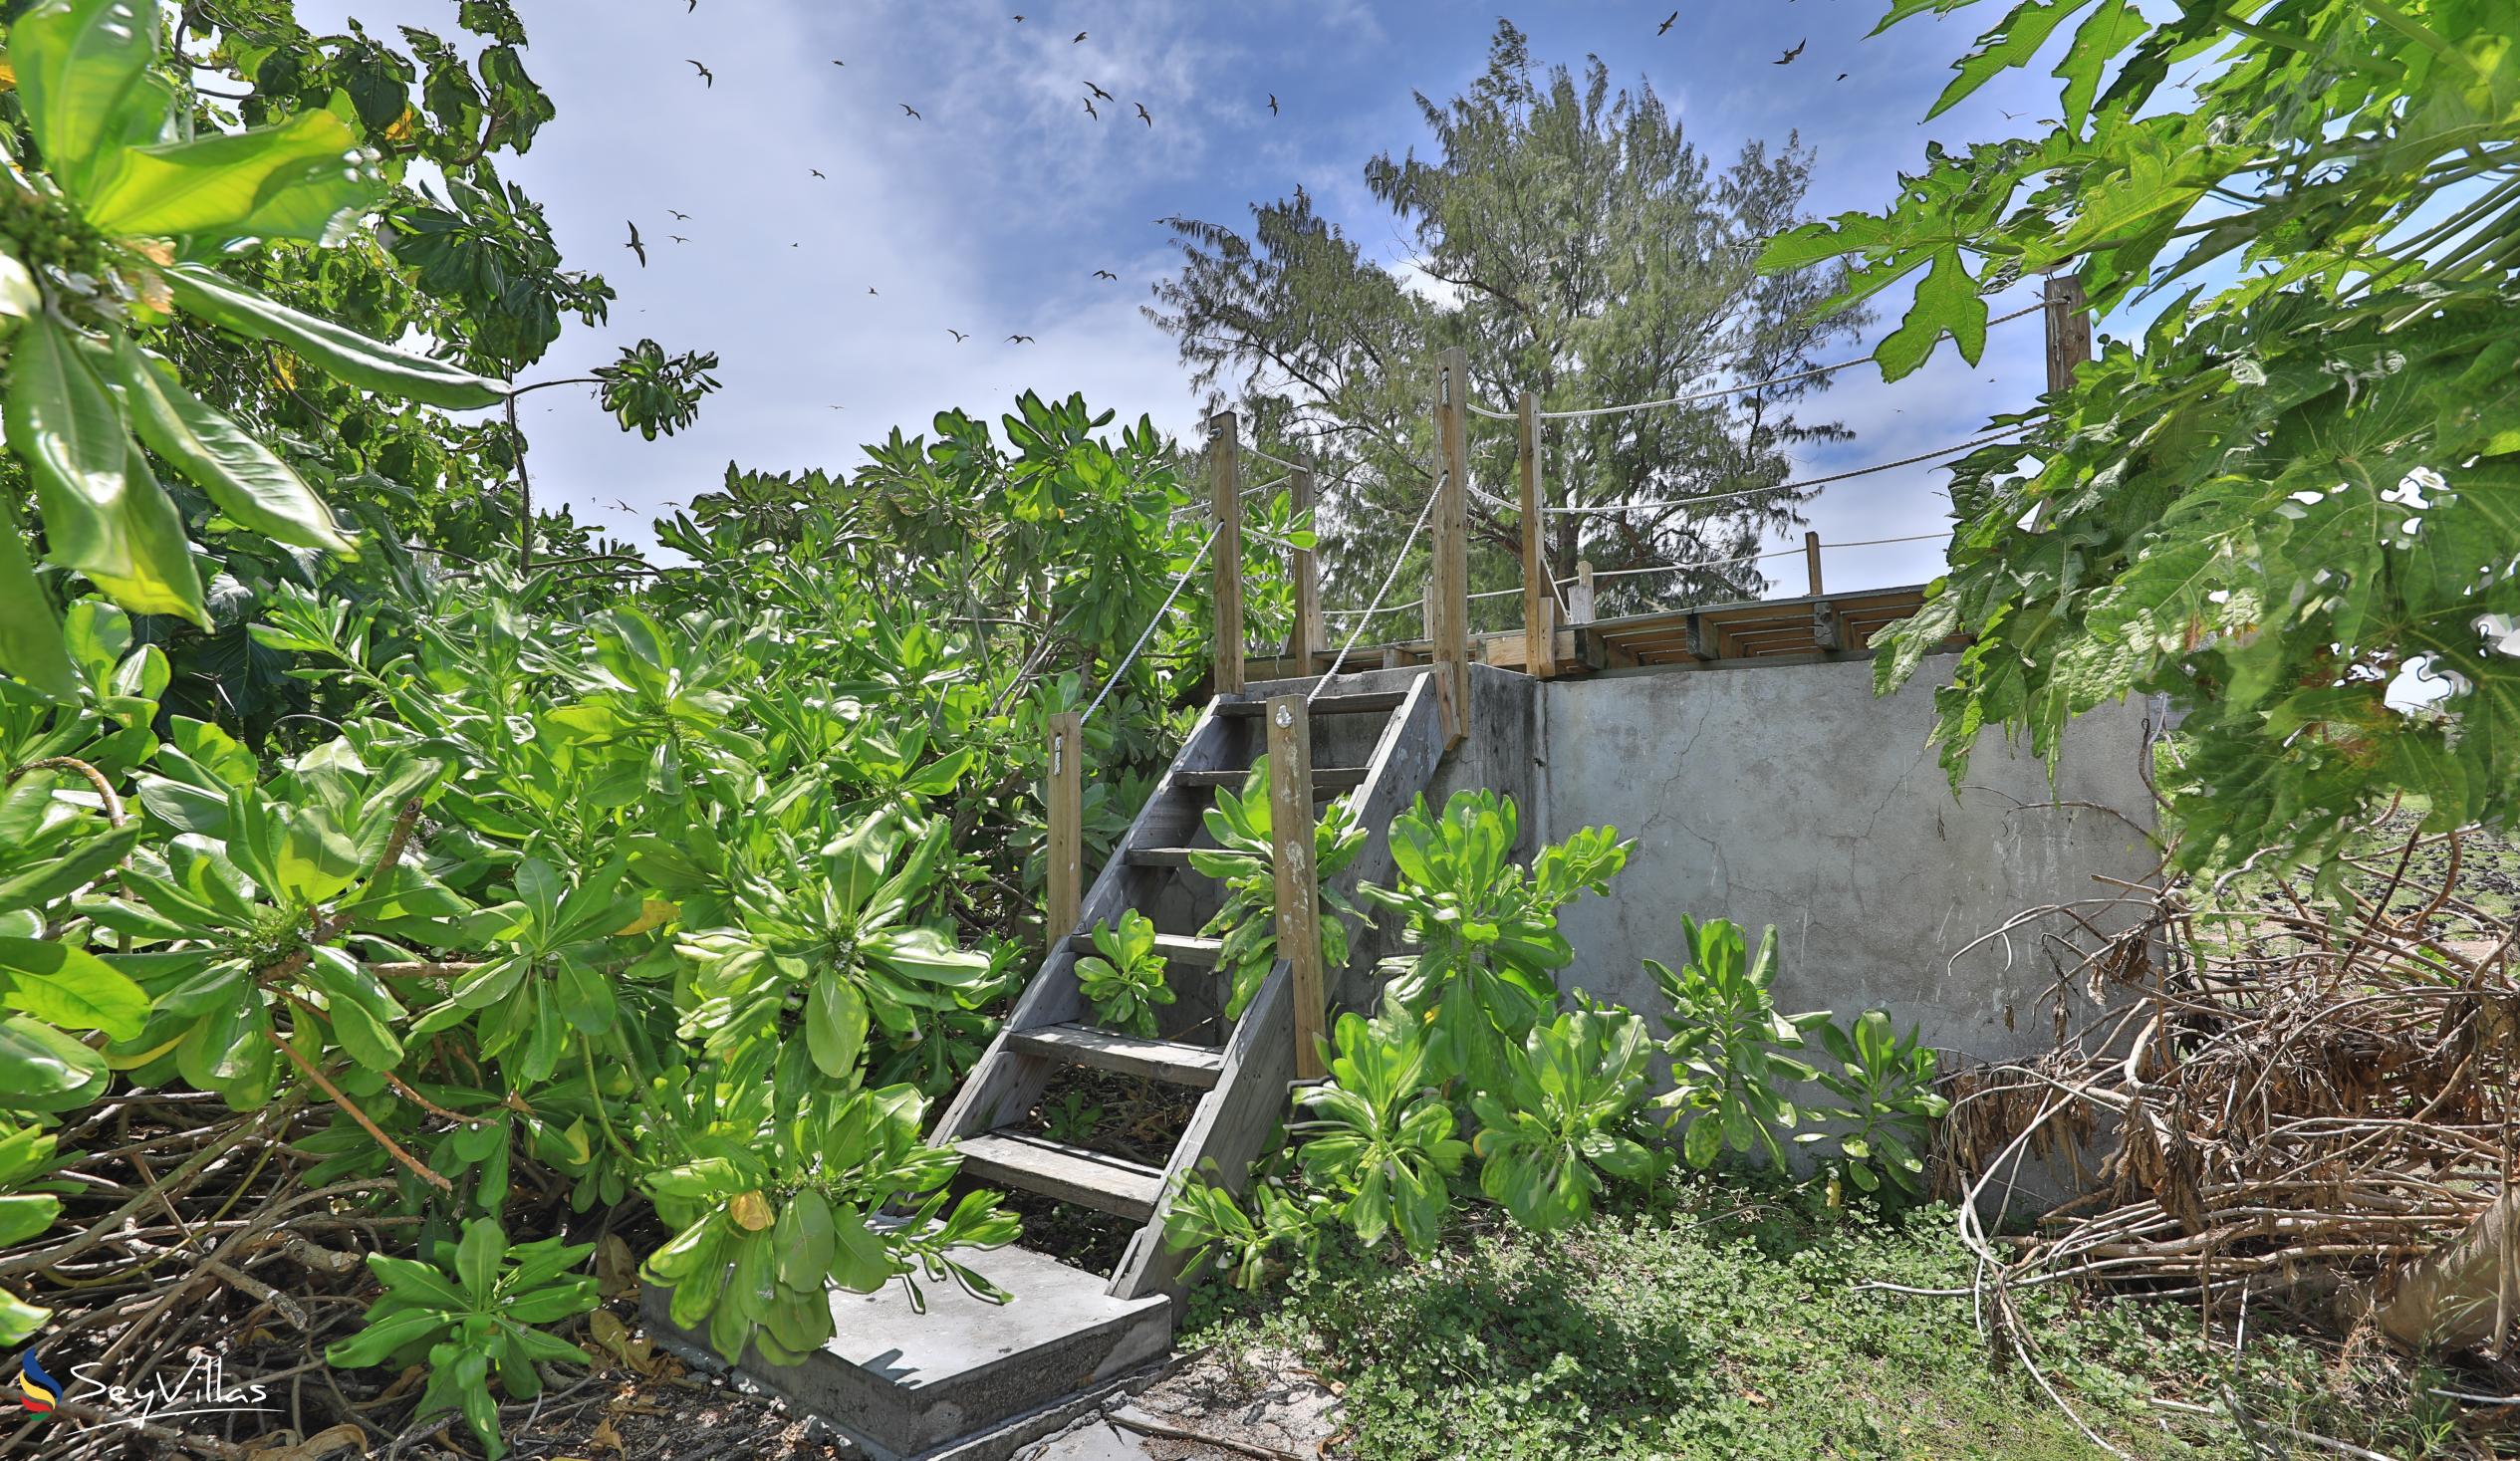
x: 2013, y: 42
x: 249, y: 481
x: 68, y: 987
x: 104, y: 514
x: 293, y: 180
x: 30, y: 639
x: 42, y: 1070
x: 343, y: 354
x: 1947, y: 302
x: 77, y: 64
x: 835, y: 1025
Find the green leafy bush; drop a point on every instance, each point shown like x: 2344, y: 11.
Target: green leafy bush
x: 1486, y: 930
x: 1125, y: 981
x: 1244, y: 861
x: 1731, y: 1050
x: 475, y: 1311
x: 1562, y: 1117
x: 1378, y: 1137
x: 1734, y: 1058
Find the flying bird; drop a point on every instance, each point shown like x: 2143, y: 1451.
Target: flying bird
x: 1098, y: 93
x: 1089, y: 112
x: 1664, y: 29
x: 913, y: 110
x: 691, y: 7
x: 635, y: 247
x: 678, y: 213
x: 1106, y: 274
x: 1141, y: 115
x: 958, y: 335
x: 1020, y: 339
x: 840, y: 62
x: 1788, y: 58
x: 623, y: 506
x: 870, y: 288
x: 1273, y: 103
x: 677, y: 238
x: 818, y: 172
x: 706, y: 75
x: 1842, y: 76
x: 1080, y: 40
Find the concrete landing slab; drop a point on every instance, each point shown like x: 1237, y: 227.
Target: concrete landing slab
x: 907, y: 1386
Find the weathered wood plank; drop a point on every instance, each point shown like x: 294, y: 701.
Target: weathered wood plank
x: 1360, y: 702
x: 1224, y: 557
x: 1291, y: 863
x: 1004, y: 1082
x: 1540, y: 601
x: 1182, y: 1064
x: 1324, y: 778
x: 1448, y: 571
x: 1065, y: 795
x: 1069, y: 1173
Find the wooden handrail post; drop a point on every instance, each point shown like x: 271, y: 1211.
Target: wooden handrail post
x: 2069, y: 329
x: 1312, y: 632
x: 1448, y: 576
x: 1298, y: 890
x: 1540, y: 601
x: 1065, y: 795
x: 1579, y: 594
x: 1224, y: 560
x: 1810, y: 561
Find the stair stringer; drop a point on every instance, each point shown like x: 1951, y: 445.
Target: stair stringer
x: 1237, y: 1121
x: 1006, y: 1081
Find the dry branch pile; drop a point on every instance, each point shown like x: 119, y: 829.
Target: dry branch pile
x: 193, y: 1257
x: 2296, y: 1096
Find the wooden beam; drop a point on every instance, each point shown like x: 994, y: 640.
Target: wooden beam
x: 1579, y: 598
x: 1066, y: 798
x: 1224, y: 560
x: 1312, y: 632
x: 2069, y: 329
x: 1298, y: 887
x: 1540, y: 601
x: 1449, y: 578
x: 1810, y: 561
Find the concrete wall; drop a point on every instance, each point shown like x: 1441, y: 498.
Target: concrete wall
x: 1790, y: 795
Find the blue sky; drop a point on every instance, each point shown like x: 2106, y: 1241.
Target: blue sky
x: 991, y: 213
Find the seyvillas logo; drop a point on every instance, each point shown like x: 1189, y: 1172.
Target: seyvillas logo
x: 37, y: 1391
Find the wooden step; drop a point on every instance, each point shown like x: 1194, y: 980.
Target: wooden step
x: 1324, y: 778
x: 1196, y: 1066
x: 1163, y: 856
x: 1012, y: 1159
x: 1189, y: 948
x: 1362, y: 702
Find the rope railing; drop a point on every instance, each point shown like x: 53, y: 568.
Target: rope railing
x: 1366, y: 617
x: 1905, y: 461
x: 1716, y: 392
x: 1120, y: 671
x: 1674, y: 567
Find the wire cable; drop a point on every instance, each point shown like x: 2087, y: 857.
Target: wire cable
x: 1121, y: 671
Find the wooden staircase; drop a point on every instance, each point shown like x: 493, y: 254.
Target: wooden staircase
x: 961, y: 1380
x: 1378, y: 747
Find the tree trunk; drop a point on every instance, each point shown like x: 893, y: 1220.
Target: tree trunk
x: 2449, y: 1299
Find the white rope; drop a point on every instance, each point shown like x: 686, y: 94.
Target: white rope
x: 1721, y: 390
x: 1672, y: 567
x: 1121, y: 670
x: 1905, y: 461
x: 1397, y: 561
x: 1277, y: 461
